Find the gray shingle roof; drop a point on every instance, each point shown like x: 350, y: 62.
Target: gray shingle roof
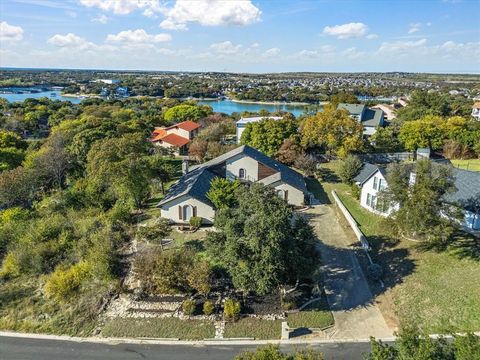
x: 365, y: 173
x: 353, y: 109
x: 196, y: 183
x: 372, y: 117
x: 468, y: 189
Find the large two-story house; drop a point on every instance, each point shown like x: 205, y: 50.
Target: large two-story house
x: 370, y: 118
x: 188, y: 197
x: 175, y: 137
x: 372, y: 179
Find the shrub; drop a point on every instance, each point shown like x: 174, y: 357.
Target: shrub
x: 375, y: 271
x: 63, y: 283
x: 288, y: 305
x: 208, y: 307
x: 195, y: 222
x: 356, y: 191
x: 349, y: 168
x: 198, y: 276
x: 231, y: 309
x: 188, y: 307
x: 10, y: 267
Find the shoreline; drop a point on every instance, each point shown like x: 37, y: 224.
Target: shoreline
x: 80, y: 95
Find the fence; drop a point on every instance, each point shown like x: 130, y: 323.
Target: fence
x: 387, y: 157
x: 353, y: 224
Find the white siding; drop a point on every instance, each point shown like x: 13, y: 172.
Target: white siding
x: 241, y: 161
x: 180, y: 132
x: 295, y: 196
x: 369, y: 193
x: 170, y: 210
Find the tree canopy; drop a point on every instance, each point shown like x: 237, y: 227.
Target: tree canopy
x: 259, y: 242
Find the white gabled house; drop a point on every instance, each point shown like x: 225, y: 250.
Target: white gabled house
x: 188, y: 197
x: 372, y: 179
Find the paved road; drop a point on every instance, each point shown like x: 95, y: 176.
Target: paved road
x: 14, y: 348
x: 348, y: 294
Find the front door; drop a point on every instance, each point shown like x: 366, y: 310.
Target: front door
x: 187, y: 212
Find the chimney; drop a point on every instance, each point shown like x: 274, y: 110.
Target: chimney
x: 185, y: 166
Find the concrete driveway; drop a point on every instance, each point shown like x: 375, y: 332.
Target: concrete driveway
x: 348, y: 294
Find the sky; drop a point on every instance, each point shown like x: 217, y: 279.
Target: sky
x: 441, y: 36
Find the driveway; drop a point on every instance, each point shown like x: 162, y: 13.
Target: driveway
x: 348, y: 294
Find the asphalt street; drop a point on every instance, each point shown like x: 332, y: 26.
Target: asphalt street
x: 15, y: 348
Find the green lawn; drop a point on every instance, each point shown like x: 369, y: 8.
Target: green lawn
x: 256, y: 328
x: 159, y: 328
x: 316, y: 315
x: 471, y: 164
x: 438, y: 290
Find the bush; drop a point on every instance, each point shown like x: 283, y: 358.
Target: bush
x: 349, y: 168
x: 10, y: 267
x: 195, y: 222
x: 288, y: 305
x: 356, y: 191
x: 208, y: 307
x: 188, y: 307
x: 375, y: 271
x: 231, y: 309
x: 62, y: 284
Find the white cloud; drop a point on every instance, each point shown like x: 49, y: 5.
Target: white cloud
x: 270, y: 53
x: 102, y: 19
x: 226, y: 48
x: 138, y: 36
x: 401, y: 47
x: 210, y: 13
x: 372, y: 36
x: 123, y: 7
x: 68, y: 40
x: 346, y: 31
x: 414, y: 28
x: 10, y: 32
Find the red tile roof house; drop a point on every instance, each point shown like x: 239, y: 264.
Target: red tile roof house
x: 175, y: 137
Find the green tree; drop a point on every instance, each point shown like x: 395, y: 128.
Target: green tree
x: 386, y: 139
x: 343, y: 97
x: 333, y: 131
x: 273, y: 352
x: 255, y: 241
x: 187, y: 112
x: 349, y: 168
x: 419, y: 210
x: 268, y: 135
x: 12, y: 150
x: 222, y: 193
x: 155, y: 233
x: 426, y: 132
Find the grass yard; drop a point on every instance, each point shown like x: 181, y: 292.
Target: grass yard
x: 437, y: 290
x: 251, y: 327
x: 471, y: 164
x: 23, y: 308
x: 316, y: 315
x: 180, y: 238
x: 159, y: 328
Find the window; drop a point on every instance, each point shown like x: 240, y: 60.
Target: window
x: 187, y: 212
x: 375, y: 182
x: 369, y: 200
x: 374, y: 202
x: 380, y: 185
x: 242, y: 173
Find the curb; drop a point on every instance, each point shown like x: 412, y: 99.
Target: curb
x: 206, y: 342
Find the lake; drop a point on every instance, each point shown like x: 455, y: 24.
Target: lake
x: 229, y: 107
x: 224, y: 106
x: 37, y: 95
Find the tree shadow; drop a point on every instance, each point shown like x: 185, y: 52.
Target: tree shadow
x: 461, y: 244
x: 314, y: 186
x: 328, y: 175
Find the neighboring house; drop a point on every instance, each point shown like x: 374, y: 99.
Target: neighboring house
x: 175, y: 137
x: 476, y: 110
x: 188, y: 197
x: 372, y: 179
x: 388, y: 111
x: 242, y: 123
x: 369, y: 118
